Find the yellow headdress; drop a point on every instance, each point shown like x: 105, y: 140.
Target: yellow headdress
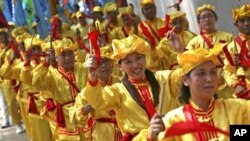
x: 34, y: 24
x: 11, y: 24
x: 62, y: 45
x: 242, y: 12
x: 106, y: 52
x: 97, y: 9
x: 176, y: 14
x: 129, y: 45
x: 3, y: 30
x: 190, y: 59
x: 110, y: 6
x: 79, y: 14
x: 205, y: 7
x: 145, y: 2
x: 20, y: 38
x: 29, y: 42
x: 124, y: 10
x: 18, y: 31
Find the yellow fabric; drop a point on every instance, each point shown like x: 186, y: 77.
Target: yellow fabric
x: 176, y: 14
x: 11, y: 24
x: 79, y: 14
x: 232, y: 72
x: 191, y: 58
x: 97, y: 9
x: 165, y: 50
x: 242, y: 12
x: 62, y: 45
x: 109, y: 6
x: 106, y: 52
x: 29, y: 42
x: 20, y: 38
x: 73, y: 15
x: 205, y: 7
x: 129, y: 45
x: 117, y: 33
x: 18, y: 31
x: 130, y: 116
x: 223, y: 115
x: 145, y: 2
x: 3, y: 30
x: 49, y: 79
x: 101, y: 131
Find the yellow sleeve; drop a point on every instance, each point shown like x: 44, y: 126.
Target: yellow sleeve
x: 142, y: 136
x: 11, y: 71
x: 76, y: 113
x: 42, y: 79
x: 102, y: 99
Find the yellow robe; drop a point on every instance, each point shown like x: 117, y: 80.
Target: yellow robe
x: 232, y: 72
x: 100, y: 130
x: 222, y: 115
x: 131, y: 117
x: 49, y: 79
x: 153, y: 59
x: 169, y: 53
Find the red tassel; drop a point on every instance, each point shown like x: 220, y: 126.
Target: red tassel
x: 32, y: 105
x: 3, y: 21
x: 60, y: 116
x: 54, y: 28
x: 49, y: 104
x: 90, y: 122
x: 181, y: 128
x: 93, y: 36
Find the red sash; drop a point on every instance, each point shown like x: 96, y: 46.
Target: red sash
x: 32, y: 105
x: 124, y: 31
x: 243, y: 52
x: 154, y: 32
x: 81, y: 44
x: 145, y: 97
x: 147, y: 34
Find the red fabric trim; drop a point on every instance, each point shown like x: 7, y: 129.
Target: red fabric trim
x: 147, y: 34
x: 93, y: 83
x: 82, y: 45
x: 32, y: 105
x: 153, y: 31
x: 245, y: 61
x: 206, y: 40
x: 45, y: 63
x: 124, y: 31
x: 50, y: 105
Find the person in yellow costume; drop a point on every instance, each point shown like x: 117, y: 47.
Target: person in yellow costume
x: 209, y: 37
x: 29, y: 99
x: 236, y: 70
x: 137, y: 98
x: 104, y: 126
x: 9, y: 85
x: 64, y: 83
x: 166, y: 48
x: 97, y: 16
x: 150, y: 30
x: 111, y: 11
x: 129, y: 24
x: 203, y: 117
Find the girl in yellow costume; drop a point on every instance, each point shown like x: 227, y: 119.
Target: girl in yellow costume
x: 202, y: 110
x: 136, y: 99
x: 237, y: 70
x: 30, y: 100
x: 104, y: 123
x: 165, y: 48
x: 64, y: 83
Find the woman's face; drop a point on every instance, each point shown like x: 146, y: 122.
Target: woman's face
x: 134, y: 65
x: 66, y: 59
x: 106, y: 68
x: 202, y: 81
x: 179, y: 24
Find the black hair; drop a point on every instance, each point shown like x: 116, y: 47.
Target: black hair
x: 155, y: 86
x: 215, y: 15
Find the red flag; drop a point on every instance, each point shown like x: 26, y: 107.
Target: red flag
x: 93, y: 36
x: 65, y: 2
